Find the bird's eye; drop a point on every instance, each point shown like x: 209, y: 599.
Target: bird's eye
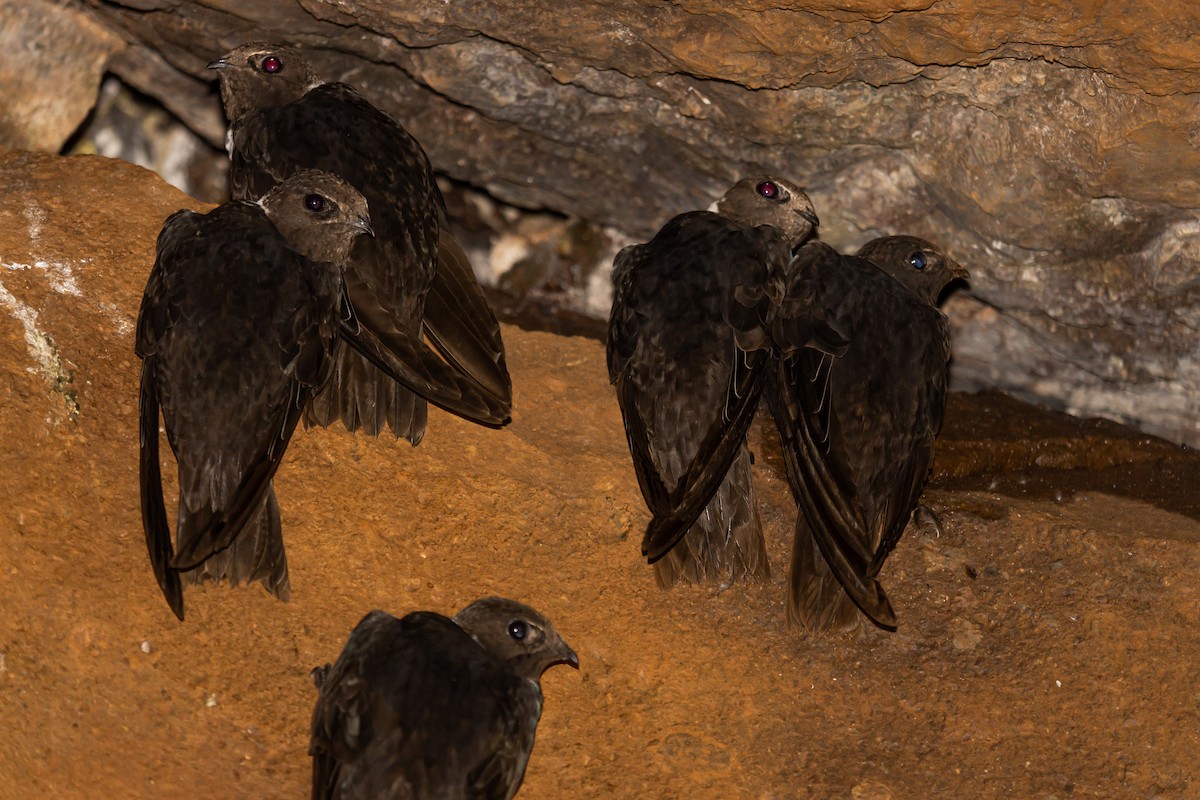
x: 768, y: 189
x: 917, y: 260
x: 518, y: 629
x: 314, y: 203
x: 271, y: 65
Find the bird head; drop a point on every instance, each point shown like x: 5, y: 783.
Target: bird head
x: 922, y: 267
x: 766, y: 200
x: 516, y: 634
x: 319, y: 214
x: 262, y: 75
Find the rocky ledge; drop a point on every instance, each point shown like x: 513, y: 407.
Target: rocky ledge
x: 1051, y: 149
x: 1046, y: 642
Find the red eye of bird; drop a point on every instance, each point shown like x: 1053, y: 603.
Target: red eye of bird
x: 271, y: 65
x: 768, y: 189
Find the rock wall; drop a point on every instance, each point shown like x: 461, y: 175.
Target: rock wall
x: 1051, y: 148
x: 1029, y: 661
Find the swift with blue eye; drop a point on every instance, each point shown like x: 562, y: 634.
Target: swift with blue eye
x: 517, y: 629
x: 917, y: 260
x: 314, y: 203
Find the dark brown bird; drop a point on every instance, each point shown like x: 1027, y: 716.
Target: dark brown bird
x: 432, y: 708
x: 410, y: 280
x: 238, y: 328
x: 686, y: 391
x: 858, y: 430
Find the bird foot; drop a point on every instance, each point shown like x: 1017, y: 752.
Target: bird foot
x: 922, y: 511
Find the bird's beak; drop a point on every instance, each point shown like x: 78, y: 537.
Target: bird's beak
x: 569, y: 657
x: 365, y: 225
x: 960, y: 272
x: 220, y: 63
x: 810, y: 216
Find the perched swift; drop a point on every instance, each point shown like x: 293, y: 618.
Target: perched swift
x: 427, y: 707
x: 238, y: 328
x: 687, y: 392
x: 408, y: 281
x: 858, y: 429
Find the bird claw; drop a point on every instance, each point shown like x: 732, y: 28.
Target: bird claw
x: 922, y: 511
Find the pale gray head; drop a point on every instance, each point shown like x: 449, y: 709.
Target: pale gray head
x: 916, y: 263
x: 262, y: 75
x: 518, y: 635
x: 766, y: 200
x: 319, y: 214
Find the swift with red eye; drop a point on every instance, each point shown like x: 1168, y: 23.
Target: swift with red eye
x: 411, y: 278
x: 771, y: 190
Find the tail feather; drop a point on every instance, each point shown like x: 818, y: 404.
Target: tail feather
x: 726, y: 543
x: 816, y: 600
x: 363, y: 397
x: 256, y: 555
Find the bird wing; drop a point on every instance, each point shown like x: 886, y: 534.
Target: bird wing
x: 717, y: 451
x: 460, y: 323
x: 415, y: 703
x: 802, y: 399
x: 406, y: 359
x: 239, y: 339
x: 499, y: 775
x: 333, y: 128
x: 410, y: 278
x: 152, y: 319
x: 687, y: 393
x: 931, y: 356
x: 857, y: 431
x: 154, y: 510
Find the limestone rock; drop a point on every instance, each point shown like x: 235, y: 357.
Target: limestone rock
x: 1050, y: 149
x: 53, y: 59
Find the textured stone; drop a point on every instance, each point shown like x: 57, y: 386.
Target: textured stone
x: 1050, y: 148
x: 687, y: 693
x: 53, y: 59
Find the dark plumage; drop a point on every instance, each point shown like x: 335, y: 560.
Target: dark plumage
x: 237, y: 330
x: 858, y: 430
x: 411, y: 279
x: 431, y: 707
x: 686, y: 391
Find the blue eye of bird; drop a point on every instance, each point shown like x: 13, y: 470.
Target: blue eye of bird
x: 517, y: 629
x: 314, y: 203
x: 917, y: 260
